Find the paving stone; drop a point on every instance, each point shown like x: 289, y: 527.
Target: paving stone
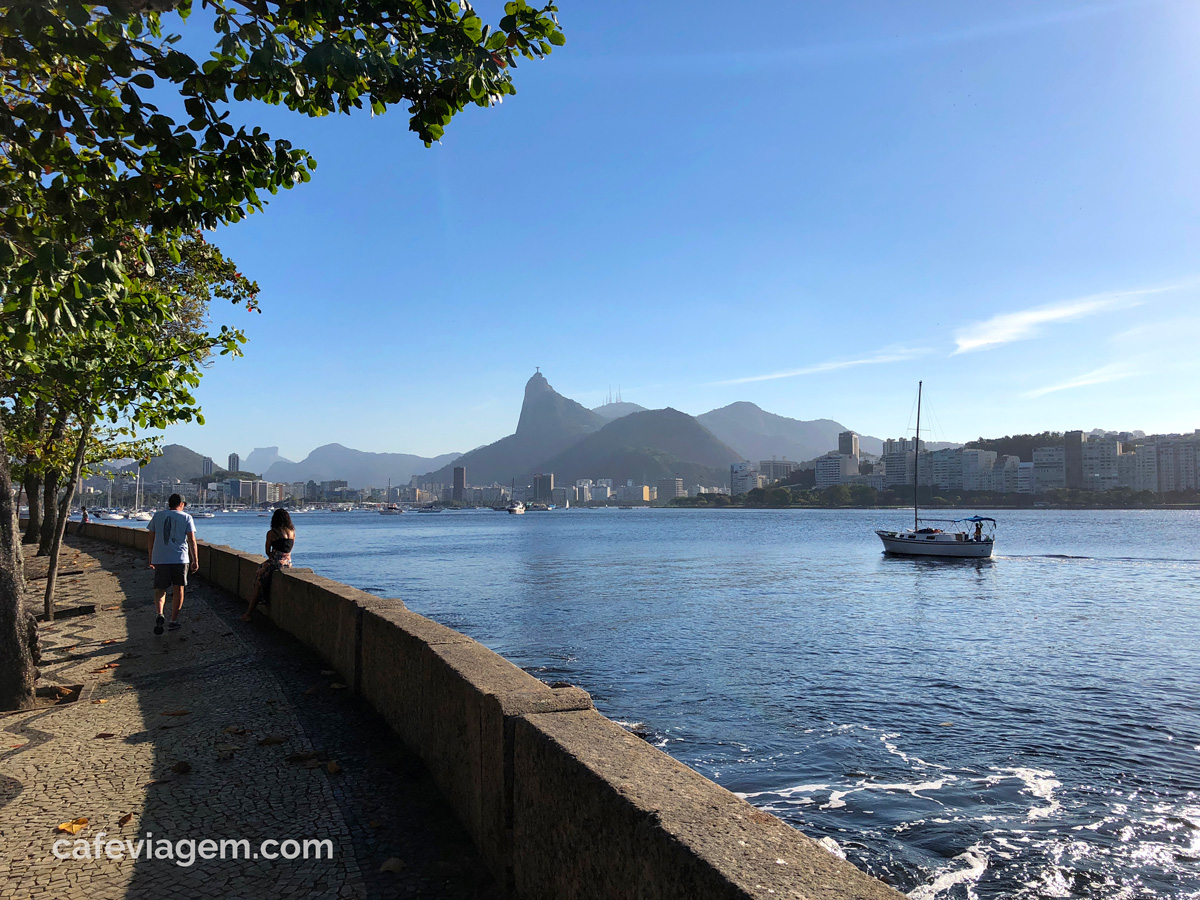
x: 223, y: 673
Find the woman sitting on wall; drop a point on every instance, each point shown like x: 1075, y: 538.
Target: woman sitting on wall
x: 280, y: 540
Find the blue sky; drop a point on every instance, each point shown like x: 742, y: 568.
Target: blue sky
x: 809, y: 206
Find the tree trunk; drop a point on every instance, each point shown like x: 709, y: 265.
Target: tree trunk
x: 50, y: 487
x: 32, y: 480
x: 61, y: 523
x: 33, y: 490
x: 49, y: 511
x: 17, y: 672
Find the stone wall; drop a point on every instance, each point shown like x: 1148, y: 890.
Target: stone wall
x: 560, y: 801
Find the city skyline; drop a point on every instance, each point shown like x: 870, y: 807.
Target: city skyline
x: 997, y: 202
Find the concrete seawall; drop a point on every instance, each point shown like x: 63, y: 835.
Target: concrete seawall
x: 560, y: 801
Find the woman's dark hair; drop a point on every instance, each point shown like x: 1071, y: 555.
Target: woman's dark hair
x: 281, y: 519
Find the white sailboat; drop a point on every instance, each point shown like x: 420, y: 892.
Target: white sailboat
x: 391, y: 509
x: 972, y: 537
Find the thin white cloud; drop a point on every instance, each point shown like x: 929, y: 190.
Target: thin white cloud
x: 1027, y: 323
x: 1111, y: 372
x: 889, y: 355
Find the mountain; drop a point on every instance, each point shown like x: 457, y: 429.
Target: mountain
x: 757, y: 434
x: 617, y: 410
x: 549, y: 423
x: 176, y: 463
x: 358, y: 467
x: 262, y: 458
x: 646, y: 446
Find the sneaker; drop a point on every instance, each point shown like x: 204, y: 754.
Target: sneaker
x: 174, y: 626
x: 158, y: 624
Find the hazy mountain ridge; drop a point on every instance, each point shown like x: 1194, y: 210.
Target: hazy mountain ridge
x: 647, y: 446
x: 617, y: 409
x: 261, y: 459
x: 359, y: 468
x: 757, y: 434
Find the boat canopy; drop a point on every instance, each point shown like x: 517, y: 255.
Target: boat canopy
x: 967, y: 519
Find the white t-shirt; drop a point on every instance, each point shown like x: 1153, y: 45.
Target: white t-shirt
x: 171, y: 528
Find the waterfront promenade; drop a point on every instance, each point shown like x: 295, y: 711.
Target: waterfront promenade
x: 217, y: 731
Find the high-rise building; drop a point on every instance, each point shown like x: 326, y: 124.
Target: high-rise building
x: 1101, y: 464
x: 1073, y: 459
x: 670, y: 488
x: 776, y: 469
x: 834, y: 468
x: 206, y: 466
x: 543, y: 488
x: 743, y: 477
x: 1049, y: 470
x: 848, y: 443
x: 235, y: 463
x: 460, y: 483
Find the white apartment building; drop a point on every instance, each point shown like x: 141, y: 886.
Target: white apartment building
x: 775, y: 469
x: 1025, y: 482
x: 1177, y: 461
x: 743, y: 477
x: 976, y: 467
x: 834, y: 468
x: 1049, y: 469
x: 1100, y: 468
x: 898, y: 466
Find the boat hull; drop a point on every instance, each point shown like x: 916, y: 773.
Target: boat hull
x: 904, y: 543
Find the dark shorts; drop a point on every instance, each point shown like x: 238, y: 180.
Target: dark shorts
x: 167, y: 574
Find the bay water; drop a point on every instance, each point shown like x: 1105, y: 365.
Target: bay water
x: 1025, y: 726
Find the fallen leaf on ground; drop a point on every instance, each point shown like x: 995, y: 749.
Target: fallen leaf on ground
x: 105, y: 734
x: 226, y: 747
x: 125, y: 819
x: 74, y: 826
x: 15, y: 746
x: 272, y: 739
x: 392, y: 865
x: 374, y: 824
x: 312, y: 690
x: 106, y: 667
x: 337, y: 686
x: 233, y: 729
x: 224, y: 755
x: 182, y: 767
x: 98, y: 702
x: 111, y: 608
x: 109, y: 641
x: 333, y: 767
x: 176, y: 712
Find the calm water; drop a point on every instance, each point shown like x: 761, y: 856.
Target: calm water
x: 1027, y: 726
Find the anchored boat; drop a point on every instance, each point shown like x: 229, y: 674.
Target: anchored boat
x: 970, y: 538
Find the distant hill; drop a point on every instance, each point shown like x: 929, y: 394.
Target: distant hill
x: 358, y: 467
x: 757, y: 434
x: 262, y: 458
x: 617, y: 410
x: 549, y: 423
x: 646, y: 446
x: 177, y: 463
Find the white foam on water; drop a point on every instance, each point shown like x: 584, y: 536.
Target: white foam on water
x: 887, y: 738
x: 832, y: 846
x: 836, y: 800
x: 975, y: 863
x: 787, y: 793
x: 916, y: 789
x: 1039, y: 782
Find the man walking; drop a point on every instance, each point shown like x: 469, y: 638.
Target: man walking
x: 172, y: 555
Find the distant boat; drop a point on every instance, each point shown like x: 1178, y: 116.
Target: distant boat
x: 140, y: 516
x: 431, y: 509
x: 392, y: 509
x: 204, y: 515
x: 969, y: 538
x: 111, y: 516
x: 516, y: 508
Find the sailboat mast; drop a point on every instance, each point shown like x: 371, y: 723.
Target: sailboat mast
x: 917, y: 458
